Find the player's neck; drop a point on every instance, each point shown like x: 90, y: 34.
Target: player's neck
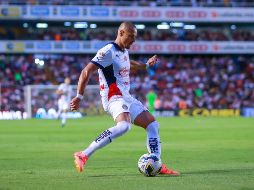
x: 118, y: 42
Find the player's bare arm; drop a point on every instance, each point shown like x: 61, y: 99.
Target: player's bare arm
x: 137, y: 65
x: 83, y: 80
x: 59, y: 92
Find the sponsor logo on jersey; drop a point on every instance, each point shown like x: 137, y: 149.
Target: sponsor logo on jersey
x: 124, y: 72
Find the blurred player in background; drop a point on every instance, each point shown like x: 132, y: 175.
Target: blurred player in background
x: 64, y: 91
x: 113, y: 65
x: 151, y: 97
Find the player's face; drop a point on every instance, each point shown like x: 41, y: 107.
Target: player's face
x: 67, y: 81
x: 129, y: 37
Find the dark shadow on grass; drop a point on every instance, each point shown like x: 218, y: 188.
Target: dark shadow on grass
x: 129, y: 175
x: 220, y: 171
x: 113, y: 175
x: 183, y: 174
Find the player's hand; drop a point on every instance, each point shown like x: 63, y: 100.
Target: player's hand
x: 75, y: 104
x: 152, y: 61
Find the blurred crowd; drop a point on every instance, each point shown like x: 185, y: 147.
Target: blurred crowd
x: 212, y: 82
x: 61, y: 33
x: 207, y: 81
x: 180, y: 81
x: 20, y: 70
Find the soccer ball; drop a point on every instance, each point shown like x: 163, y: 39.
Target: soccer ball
x: 149, y: 165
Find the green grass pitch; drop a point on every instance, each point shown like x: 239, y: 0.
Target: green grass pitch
x: 211, y: 154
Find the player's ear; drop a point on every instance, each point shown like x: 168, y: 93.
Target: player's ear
x: 121, y: 32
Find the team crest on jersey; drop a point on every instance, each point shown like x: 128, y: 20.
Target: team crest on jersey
x: 125, y: 107
x: 125, y: 58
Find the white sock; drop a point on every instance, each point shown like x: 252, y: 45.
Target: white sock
x: 63, y: 118
x: 153, y: 139
x: 107, y: 137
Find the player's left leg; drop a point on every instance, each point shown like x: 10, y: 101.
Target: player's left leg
x: 60, y: 109
x: 63, y: 120
x: 143, y: 118
x: 148, y: 122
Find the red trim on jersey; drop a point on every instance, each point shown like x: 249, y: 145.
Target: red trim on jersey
x: 114, y: 90
x: 102, y: 87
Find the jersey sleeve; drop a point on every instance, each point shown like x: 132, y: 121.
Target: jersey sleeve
x: 61, y: 87
x: 103, y: 58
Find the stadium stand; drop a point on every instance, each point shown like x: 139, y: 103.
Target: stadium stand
x: 102, y: 32
x: 197, y: 80
x: 188, y: 80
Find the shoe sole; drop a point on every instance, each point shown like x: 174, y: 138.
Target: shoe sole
x: 173, y: 175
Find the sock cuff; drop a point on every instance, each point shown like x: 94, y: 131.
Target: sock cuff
x: 152, y: 125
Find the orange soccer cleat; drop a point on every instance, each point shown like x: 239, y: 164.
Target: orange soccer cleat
x: 80, y: 160
x: 167, y: 171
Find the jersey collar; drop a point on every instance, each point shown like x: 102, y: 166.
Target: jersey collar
x: 117, y: 47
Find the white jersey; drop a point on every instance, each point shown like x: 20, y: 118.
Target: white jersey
x: 114, y: 64
x: 66, y: 89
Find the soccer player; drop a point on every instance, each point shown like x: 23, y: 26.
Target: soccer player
x: 64, y: 90
x: 113, y: 65
x: 151, y: 98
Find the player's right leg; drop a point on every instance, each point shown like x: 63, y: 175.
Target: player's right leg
x: 123, y: 125
x: 102, y: 140
x: 80, y: 160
